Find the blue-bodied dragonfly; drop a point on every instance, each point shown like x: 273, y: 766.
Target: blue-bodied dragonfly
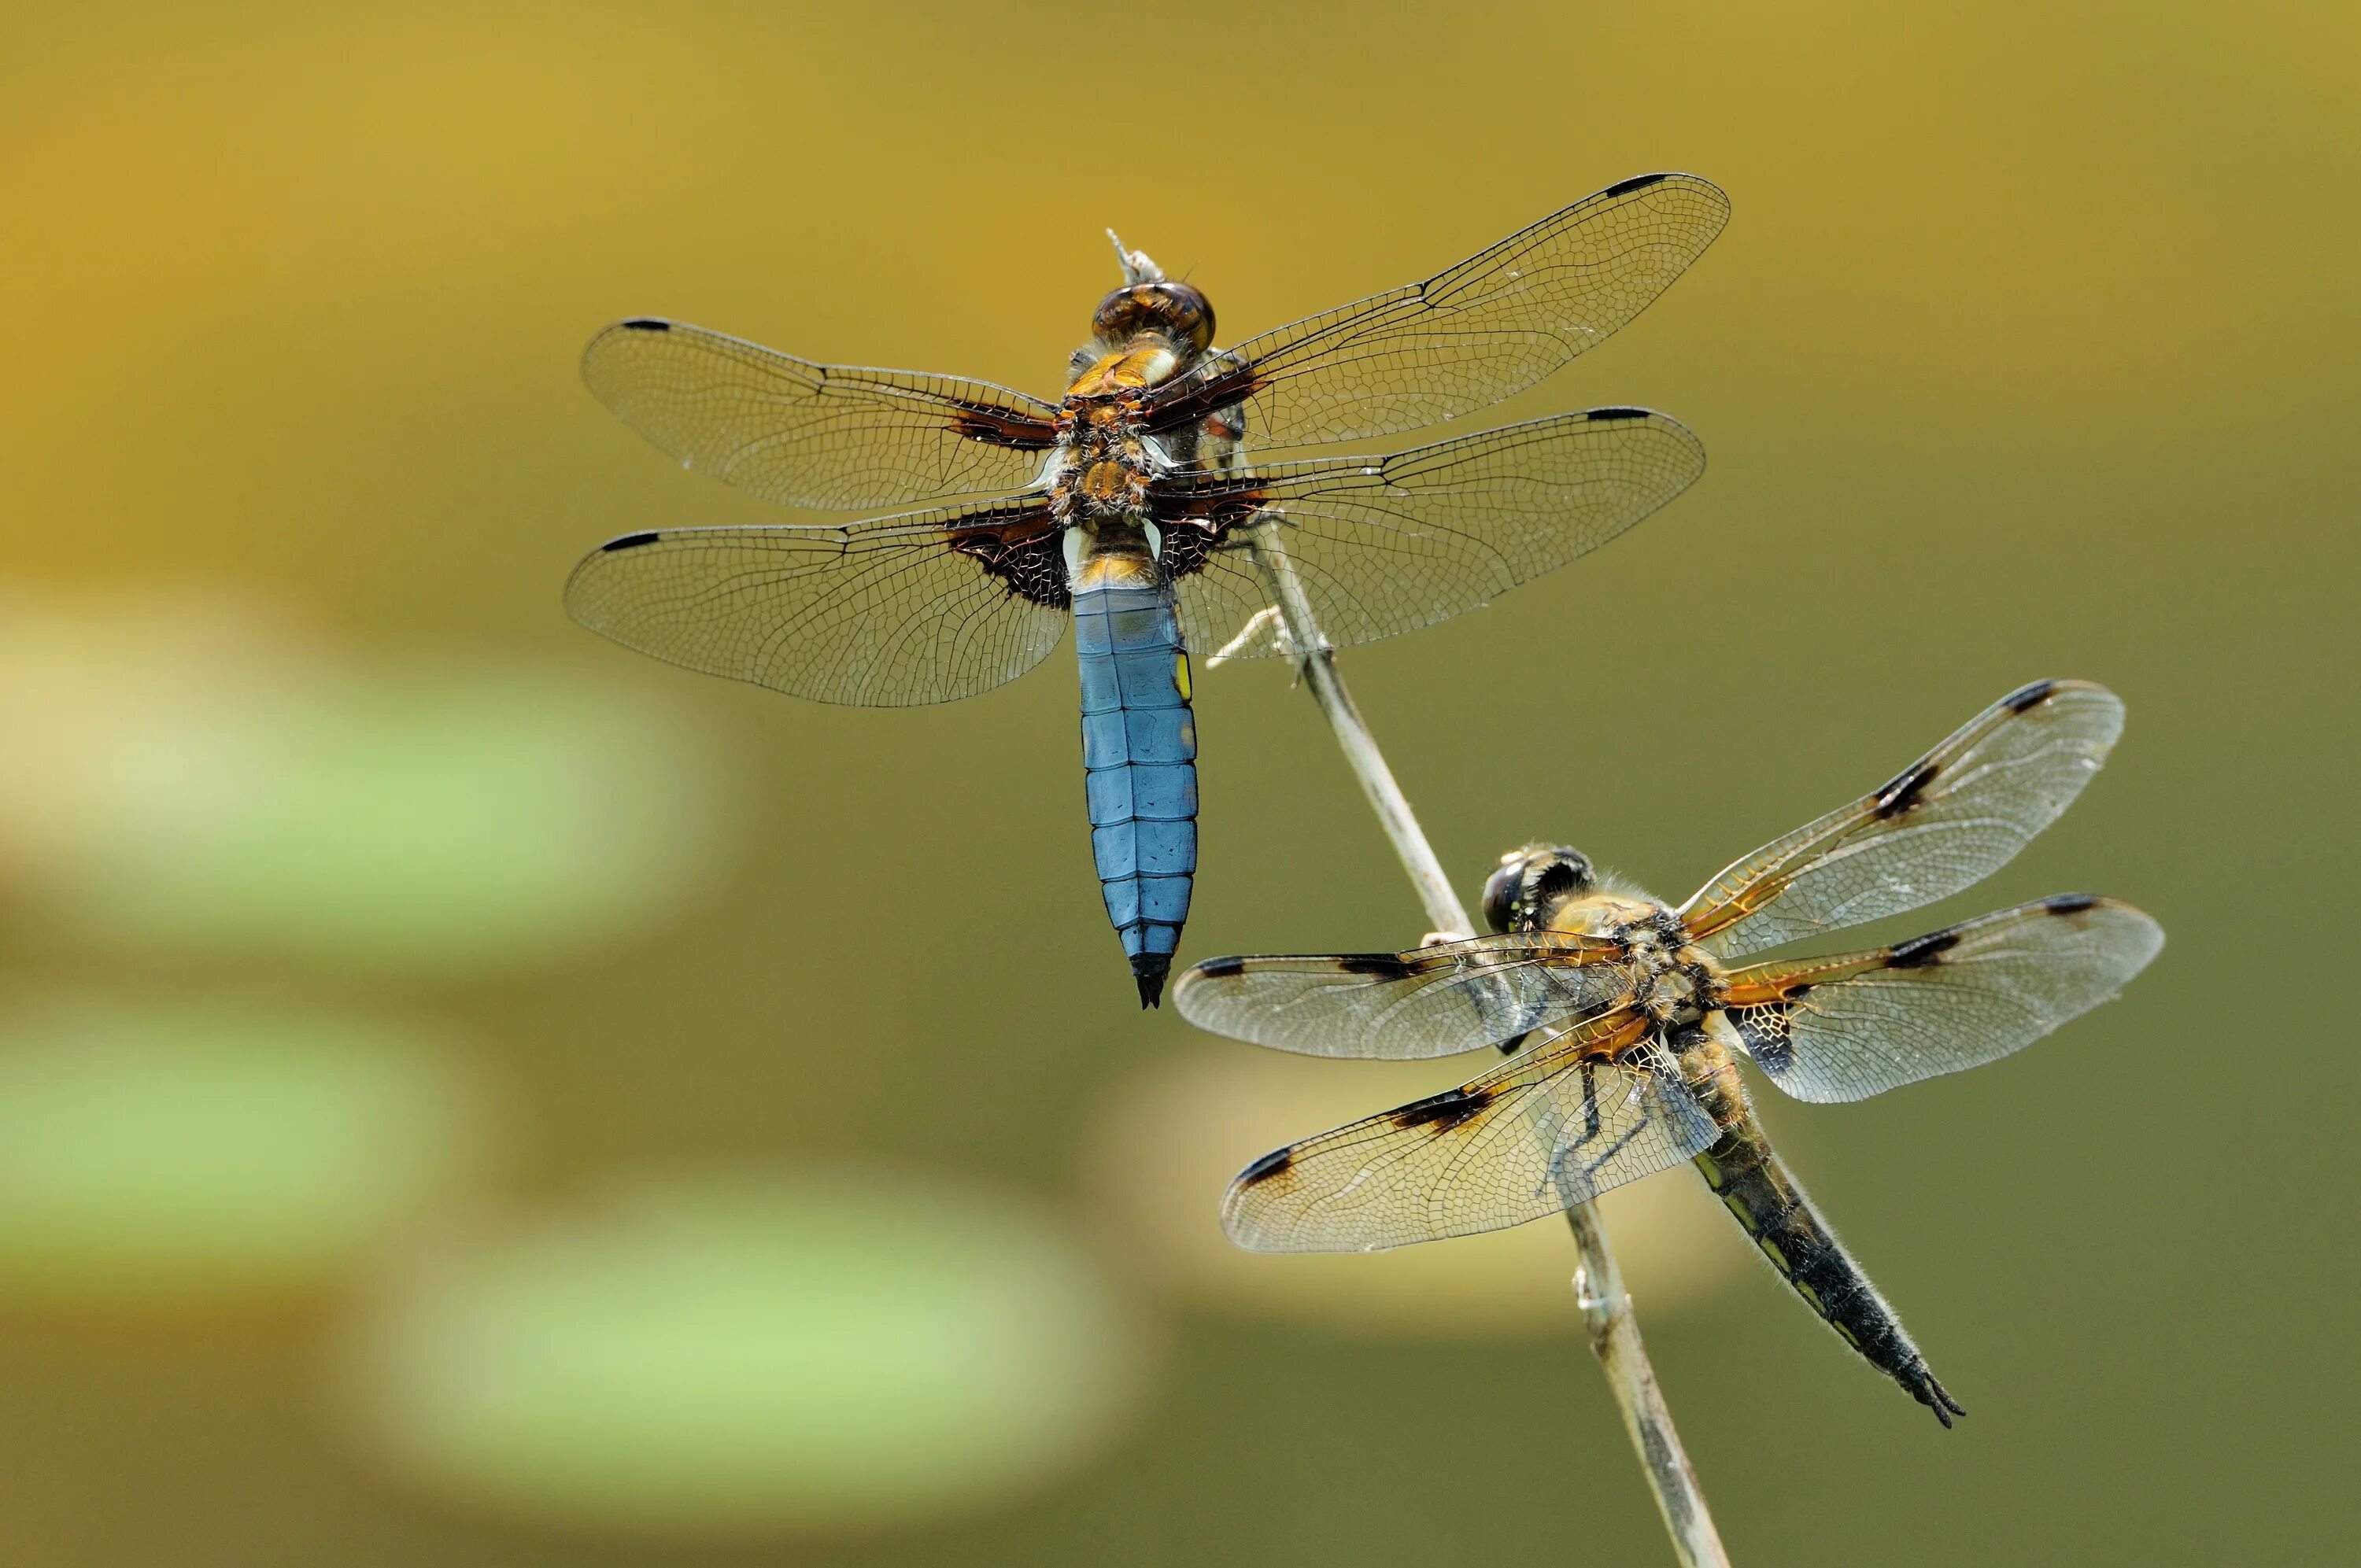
x: 1627, y: 1017
x: 1127, y: 509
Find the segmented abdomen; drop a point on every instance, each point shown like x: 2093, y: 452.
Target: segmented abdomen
x: 1139, y: 751
x: 1755, y: 1185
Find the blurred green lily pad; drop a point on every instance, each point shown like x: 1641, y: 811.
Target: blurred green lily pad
x: 168, y: 1152
x: 726, y: 1356
x: 187, y: 774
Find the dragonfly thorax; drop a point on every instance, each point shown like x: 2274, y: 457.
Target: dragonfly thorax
x: 1557, y: 889
x: 1675, y: 982
x: 1103, y: 462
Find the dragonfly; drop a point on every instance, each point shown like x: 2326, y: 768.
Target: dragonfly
x: 1127, y: 507
x: 1626, y: 1018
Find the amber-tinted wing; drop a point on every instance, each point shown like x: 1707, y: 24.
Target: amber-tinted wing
x: 1491, y: 326
x: 889, y: 613
x: 1382, y: 545
x: 1944, y: 823
x: 814, y: 436
x: 1848, y: 1027
x: 1599, y: 1105
x: 1428, y: 1002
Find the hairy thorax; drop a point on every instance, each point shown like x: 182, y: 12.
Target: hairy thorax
x: 1106, y: 455
x: 1680, y: 987
x: 1104, y: 460
x: 1674, y: 981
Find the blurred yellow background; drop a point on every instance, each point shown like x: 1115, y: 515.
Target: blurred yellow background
x: 471, y: 1095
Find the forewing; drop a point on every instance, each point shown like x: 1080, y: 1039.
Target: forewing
x: 1544, y: 1131
x: 1491, y: 326
x: 1428, y: 1002
x: 916, y: 609
x: 1382, y: 545
x: 816, y: 436
x: 1946, y: 822
x: 1846, y: 1029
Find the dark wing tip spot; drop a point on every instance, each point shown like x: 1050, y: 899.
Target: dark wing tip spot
x: 1605, y: 416
x: 646, y: 323
x: 1637, y: 183
x: 1444, y: 1110
x: 2071, y: 903
x: 1379, y: 966
x: 1922, y: 953
x: 1222, y: 969
x: 631, y: 542
x: 2025, y: 699
x: 1268, y: 1165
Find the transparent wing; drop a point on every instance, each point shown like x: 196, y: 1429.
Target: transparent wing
x: 1599, y: 1105
x: 927, y: 607
x: 1382, y: 545
x: 816, y: 436
x: 1944, y: 823
x: 1846, y: 1029
x: 1428, y: 1001
x: 1492, y: 325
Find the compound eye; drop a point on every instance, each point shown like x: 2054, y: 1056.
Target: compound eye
x: 1188, y: 315
x: 1501, y: 889
x: 1174, y: 310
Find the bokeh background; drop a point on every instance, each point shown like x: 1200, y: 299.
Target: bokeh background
x: 469, y: 1095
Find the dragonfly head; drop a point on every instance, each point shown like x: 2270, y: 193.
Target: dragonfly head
x: 1171, y: 311
x: 1530, y: 885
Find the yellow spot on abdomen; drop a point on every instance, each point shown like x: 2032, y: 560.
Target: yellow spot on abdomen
x: 1737, y: 1205
x: 1180, y: 673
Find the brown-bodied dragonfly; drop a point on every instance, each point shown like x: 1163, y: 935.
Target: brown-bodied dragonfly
x: 1127, y: 507
x: 1627, y: 1018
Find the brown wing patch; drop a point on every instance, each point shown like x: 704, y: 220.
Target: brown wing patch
x: 1444, y: 1111
x: 1896, y: 798
x: 1191, y: 399
x: 1196, y: 511
x: 1020, y: 547
x: 1923, y: 952
x: 998, y: 427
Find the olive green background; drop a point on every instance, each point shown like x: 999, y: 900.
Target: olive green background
x: 2030, y: 350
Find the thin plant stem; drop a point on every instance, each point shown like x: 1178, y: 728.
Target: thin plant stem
x: 1598, y: 1281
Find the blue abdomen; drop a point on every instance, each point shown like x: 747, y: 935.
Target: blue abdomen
x: 1139, y: 757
